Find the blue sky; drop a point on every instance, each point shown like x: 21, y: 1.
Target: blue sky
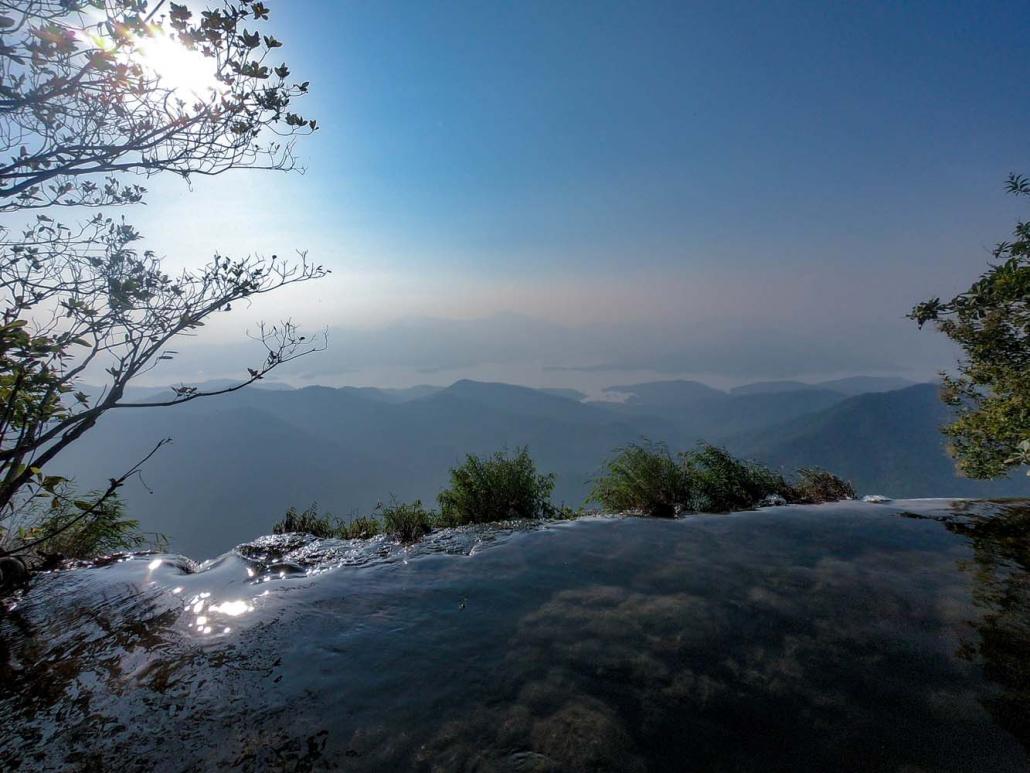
x: 712, y: 176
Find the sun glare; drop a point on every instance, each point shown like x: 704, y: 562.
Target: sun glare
x: 178, y: 68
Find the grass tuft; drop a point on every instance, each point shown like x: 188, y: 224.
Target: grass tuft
x: 407, y: 522
x: 362, y: 527
x: 496, y: 488
x: 720, y: 482
x: 815, y: 486
x: 644, y: 478
x: 307, y: 521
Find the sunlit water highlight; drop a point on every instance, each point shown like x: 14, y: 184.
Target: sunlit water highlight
x: 855, y: 636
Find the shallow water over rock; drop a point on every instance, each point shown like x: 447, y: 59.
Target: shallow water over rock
x: 853, y: 636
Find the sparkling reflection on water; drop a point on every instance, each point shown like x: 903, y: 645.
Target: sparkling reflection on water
x: 853, y: 636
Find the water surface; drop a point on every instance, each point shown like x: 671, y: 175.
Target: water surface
x: 852, y: 636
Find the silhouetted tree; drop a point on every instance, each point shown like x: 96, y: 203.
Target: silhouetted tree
x: 85, y: 115
x: 991, y: 322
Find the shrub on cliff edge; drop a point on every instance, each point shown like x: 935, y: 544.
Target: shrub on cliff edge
x: 496, y: 488
x: 642, y: 477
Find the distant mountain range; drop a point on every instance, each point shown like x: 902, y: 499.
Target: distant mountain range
x: 856, y: 385
x: 237, y: 462
x: 886, y: 443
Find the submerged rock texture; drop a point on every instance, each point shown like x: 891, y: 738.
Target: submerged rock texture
x: 851, y: 636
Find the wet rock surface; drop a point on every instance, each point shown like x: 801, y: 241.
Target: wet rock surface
x: 852, y: 636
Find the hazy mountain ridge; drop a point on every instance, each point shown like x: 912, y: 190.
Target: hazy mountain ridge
x: 885, y: 442
x: 672, y: 392
x: 681, y: 391
x: 771, y: 387
x: 238, y: 462
x: 696, y: 411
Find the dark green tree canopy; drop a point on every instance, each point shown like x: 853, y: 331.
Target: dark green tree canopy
x: 991, y: 392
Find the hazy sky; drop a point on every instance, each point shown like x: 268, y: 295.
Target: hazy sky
x: 727, y: 190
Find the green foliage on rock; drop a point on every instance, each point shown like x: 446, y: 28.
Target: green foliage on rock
x: 719, y: 482
x: 815, y: 486
x: 645, y: 478
x: 64, y: 530
x: 496, y: 488
x: 641, y: 477
x: 991, y: 323
x: 362, y: 527
x: 308, y: 522
x: 408, y: 522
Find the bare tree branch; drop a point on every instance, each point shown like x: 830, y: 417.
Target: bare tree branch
x: 83, y: 115
x: 93, y: 508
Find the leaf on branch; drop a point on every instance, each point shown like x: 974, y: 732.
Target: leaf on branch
x: 51, y: 482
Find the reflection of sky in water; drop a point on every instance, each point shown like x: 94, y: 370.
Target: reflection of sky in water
x: 797, y: 639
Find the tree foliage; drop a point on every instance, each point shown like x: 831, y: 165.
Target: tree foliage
x: 60, y: 533
x: 84, y: 118
x: 991, y: 323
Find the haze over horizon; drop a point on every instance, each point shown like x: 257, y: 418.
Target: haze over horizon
x: 518, y: 349
x: 563, y: 195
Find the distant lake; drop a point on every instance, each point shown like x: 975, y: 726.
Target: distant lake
x: 850, y: 636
